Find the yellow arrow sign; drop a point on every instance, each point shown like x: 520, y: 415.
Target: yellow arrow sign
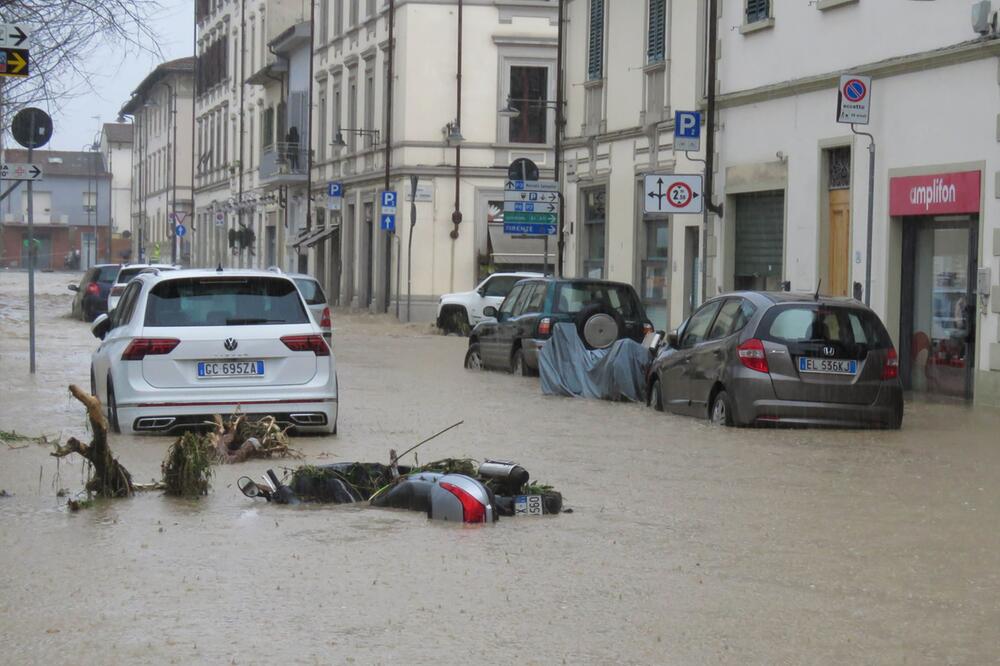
x: 14, y: 62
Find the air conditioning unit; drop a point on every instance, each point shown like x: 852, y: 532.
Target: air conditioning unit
x: 983, y: 18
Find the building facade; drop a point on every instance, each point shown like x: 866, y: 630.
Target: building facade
x: 794, y: 181
x: 116, y: 149
x: 629, y: 66
x: 72, y: 213
x: 241, y: 84
x: 160, y: 108
x: 444, y: 128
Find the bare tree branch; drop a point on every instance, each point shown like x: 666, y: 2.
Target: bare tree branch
x: 64, y: 36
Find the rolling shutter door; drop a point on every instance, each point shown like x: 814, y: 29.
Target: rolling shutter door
x: 760, y: 239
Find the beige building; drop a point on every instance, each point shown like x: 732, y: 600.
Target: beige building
x: 629, y: 66
x: 116, y: 147
x: 244, y: 180
x: 160, y: 108
x: 460, y: 157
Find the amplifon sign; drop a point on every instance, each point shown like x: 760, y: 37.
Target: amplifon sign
x: 935, y: 194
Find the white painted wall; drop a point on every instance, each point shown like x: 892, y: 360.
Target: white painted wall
x: 938, y: 120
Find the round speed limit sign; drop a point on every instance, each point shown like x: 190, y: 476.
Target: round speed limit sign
x: 679, y: 195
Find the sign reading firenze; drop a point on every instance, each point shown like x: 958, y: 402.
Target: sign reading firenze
x: 935, y: 194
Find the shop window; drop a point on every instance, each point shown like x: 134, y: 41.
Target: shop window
x: 528, y: 89
x: 654, y: 267
x: 594, y: 226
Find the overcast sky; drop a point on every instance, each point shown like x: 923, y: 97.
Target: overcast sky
x: 74, y: 123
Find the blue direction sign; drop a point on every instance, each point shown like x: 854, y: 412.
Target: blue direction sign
x: 180, y: 230
x: 334, y: 189
x: 387, y: 222
x: 529, y: 228
x: 687, y: 130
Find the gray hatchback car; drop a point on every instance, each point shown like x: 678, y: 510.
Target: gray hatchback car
x: 755, y: 358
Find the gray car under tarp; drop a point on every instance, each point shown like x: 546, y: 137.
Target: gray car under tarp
x: 567, y: 367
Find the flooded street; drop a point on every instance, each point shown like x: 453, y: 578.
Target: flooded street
x: 687, y: 543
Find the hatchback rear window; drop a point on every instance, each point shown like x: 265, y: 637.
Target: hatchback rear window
x: 311, y: 291
x: 130, y: 272
x: 822, y: 323
x: 224, y: 301
x: 571, y: 297
x: 106, y: 274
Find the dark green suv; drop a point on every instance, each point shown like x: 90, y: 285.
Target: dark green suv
x: 511, y: 337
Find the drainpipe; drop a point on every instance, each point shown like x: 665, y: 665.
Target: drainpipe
x: 309, y: 124
x: 560, y: 122
x: 243, y: 76
x: 710, y: 205
x: 456, y: 217
x: 388, y: 159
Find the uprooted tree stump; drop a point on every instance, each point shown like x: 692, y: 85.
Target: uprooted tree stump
x: 238, y: 439
x: 108, y: 477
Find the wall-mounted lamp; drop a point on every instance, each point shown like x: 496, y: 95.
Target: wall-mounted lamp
x: 453, y: 133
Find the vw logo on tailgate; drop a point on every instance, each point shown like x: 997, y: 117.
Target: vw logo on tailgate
x: 231, y: 344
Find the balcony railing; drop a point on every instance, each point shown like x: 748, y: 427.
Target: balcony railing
x: 285, y: 162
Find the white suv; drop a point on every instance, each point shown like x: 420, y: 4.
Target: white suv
x: 184, y: 345
x: 461, y: 311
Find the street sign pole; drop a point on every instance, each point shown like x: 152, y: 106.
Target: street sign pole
x: 871, y: 213
x: 854, y: 107
x: 31, y: 258
x: 409, y: 243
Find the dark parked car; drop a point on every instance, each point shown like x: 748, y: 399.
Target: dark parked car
x: 511, y: 337
x: 764, y: 358
x: 92, y: 293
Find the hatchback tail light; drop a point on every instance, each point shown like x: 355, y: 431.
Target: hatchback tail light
x: 545, y: 327
x: 140, y: 348
x: 93, y: 289
x: 752, y: 355
x: 324, y: 321
x: 891, y: 368
x: 473, y: 510
x: 304, y: 343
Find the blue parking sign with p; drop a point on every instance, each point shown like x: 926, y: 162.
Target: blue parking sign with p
x: 388, y: 199
x: 334, y: 189
x: 687, y: 130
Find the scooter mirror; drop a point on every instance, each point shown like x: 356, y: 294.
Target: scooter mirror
x: 248, y: 487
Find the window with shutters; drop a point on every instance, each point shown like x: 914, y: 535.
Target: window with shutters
x: 528, y: 92
x: 758, y: 10
x: 324, y: 21
x: 594, y: 230
x: 595, y: 44
x: 267, y: 128
x: 656, y: 35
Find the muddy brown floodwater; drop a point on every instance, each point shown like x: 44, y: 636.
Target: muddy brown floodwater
x: 688, y: 544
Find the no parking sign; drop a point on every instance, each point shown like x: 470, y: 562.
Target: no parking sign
x: 854, y: 99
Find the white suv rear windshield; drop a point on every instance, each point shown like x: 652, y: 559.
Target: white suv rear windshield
x: 224, y: 301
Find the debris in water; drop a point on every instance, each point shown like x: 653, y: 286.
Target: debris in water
x: 108, y: 477
x: 187, y: 468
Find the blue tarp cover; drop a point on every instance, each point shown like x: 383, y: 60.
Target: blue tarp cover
x: 567, y: 367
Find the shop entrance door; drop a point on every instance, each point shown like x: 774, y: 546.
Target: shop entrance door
x: 938, y: 314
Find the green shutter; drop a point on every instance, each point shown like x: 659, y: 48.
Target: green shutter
x: 758, y: 10
x: 655, y: 46
x: 595, y: 55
